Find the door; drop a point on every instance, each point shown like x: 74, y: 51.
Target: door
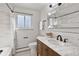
x: 24, y: 37
x: 26, y: 30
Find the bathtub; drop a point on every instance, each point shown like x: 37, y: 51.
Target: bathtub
x: 7, y: 51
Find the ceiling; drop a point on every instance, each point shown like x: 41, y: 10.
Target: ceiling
x: 34, y: 6
x: 3, y: 7
x: 31, y: 6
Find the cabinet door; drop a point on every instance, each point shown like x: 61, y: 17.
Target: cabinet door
x: 51, y: 52
x: 44, y: 50
x: 39, y: 48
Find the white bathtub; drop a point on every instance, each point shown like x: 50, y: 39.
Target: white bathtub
x: 7, y: 51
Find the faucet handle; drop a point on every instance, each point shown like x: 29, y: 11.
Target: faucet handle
x: 65, y: 40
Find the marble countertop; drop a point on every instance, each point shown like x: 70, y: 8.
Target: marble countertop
x: 64, y: 49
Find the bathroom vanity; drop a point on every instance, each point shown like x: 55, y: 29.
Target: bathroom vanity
x: 52, y: 47
x: 44, y: 50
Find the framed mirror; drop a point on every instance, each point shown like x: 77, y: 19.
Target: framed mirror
x: 65, y: 17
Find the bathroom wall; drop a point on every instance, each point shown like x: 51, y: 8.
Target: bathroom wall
x: 43, y: 16
x: 30, y: 33
x: 67, y: 21
x: 5, y: 28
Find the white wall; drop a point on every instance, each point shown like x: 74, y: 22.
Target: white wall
x: 32, y: 33
x: 43, y: 16
x: 71, y: 20
x: 7, y: 27
x: 5, y: 30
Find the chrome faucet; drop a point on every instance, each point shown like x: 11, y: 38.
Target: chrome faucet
x: 59, y: 38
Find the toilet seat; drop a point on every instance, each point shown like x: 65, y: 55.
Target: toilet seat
x: 32, y: 47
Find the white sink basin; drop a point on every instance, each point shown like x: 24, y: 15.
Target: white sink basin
x: 54, y: 42
x: 59, y: 43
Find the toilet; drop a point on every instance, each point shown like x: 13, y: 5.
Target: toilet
x: 32, y: 47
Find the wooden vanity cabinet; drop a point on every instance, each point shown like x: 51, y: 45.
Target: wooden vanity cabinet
x: 39, y: 48
x: 44, y: 50
x: 51, y: 52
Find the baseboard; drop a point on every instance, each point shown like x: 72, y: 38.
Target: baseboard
x: 22, y: 49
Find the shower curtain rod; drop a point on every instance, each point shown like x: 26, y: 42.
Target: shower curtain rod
x: 16, y: 11
x: 9, y: 7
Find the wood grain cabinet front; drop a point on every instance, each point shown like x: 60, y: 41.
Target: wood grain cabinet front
x: 39, y: 48
x: 44, y: 50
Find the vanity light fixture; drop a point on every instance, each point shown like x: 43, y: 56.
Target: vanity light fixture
x: 52, y: 11
x: 59, y: 4
x: 52, y: 6
x: 55, y: 23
